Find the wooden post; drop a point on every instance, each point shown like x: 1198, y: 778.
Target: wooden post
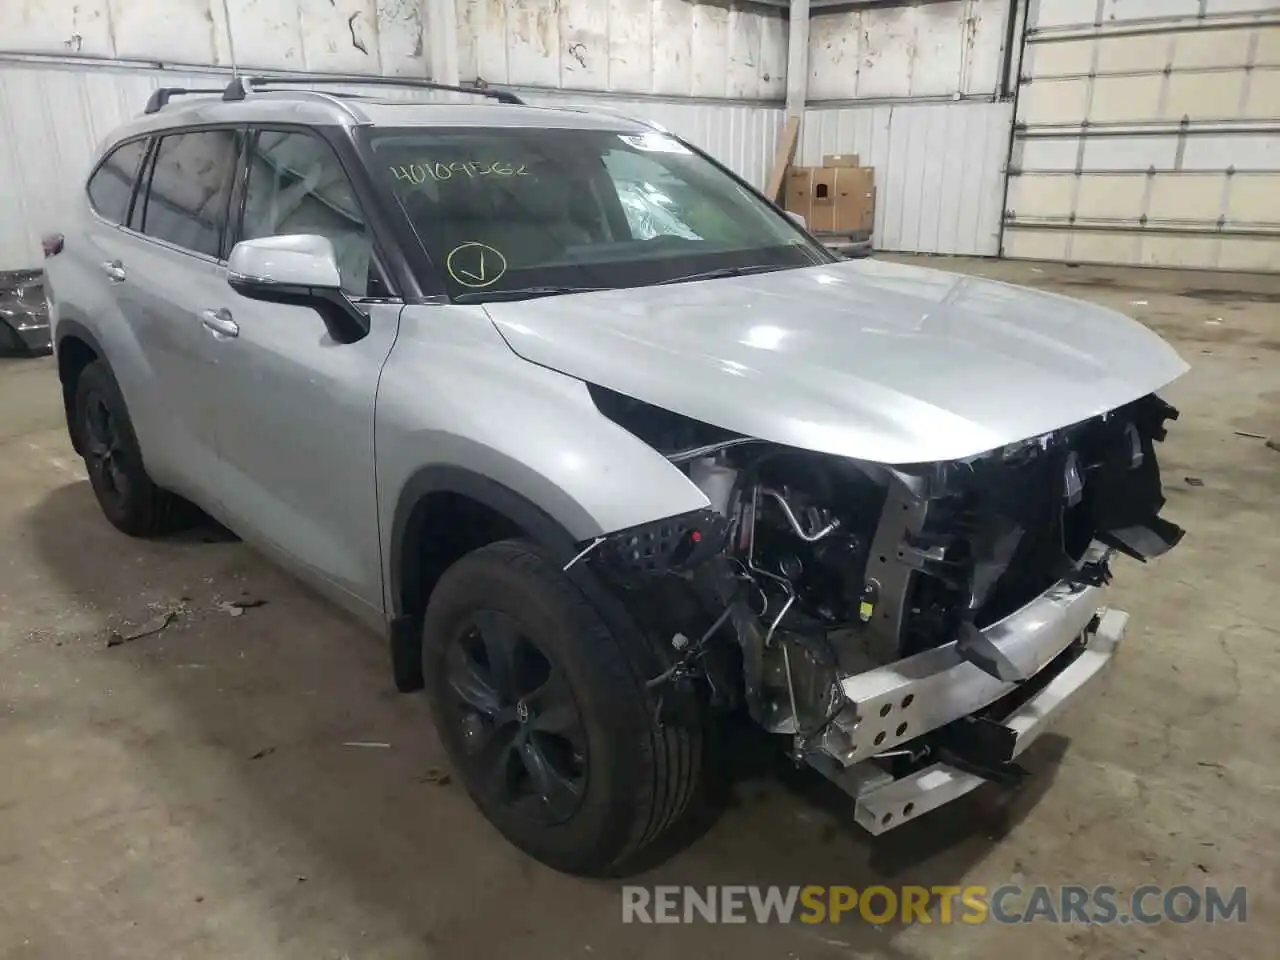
x: 782, y: 158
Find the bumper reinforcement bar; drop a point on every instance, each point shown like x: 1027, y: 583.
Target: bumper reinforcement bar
x: 908, y: 698
x: 887, y: 806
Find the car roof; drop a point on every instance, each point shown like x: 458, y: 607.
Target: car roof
x: 329, y: 109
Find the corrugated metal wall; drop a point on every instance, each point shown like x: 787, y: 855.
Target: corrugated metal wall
x: 673, y: 47
x: 914, y: 91
x: 939, y: 169
x: 385, y: 37
x: 921, y: 50
x: 53, y: 117
x: 1149, y: 134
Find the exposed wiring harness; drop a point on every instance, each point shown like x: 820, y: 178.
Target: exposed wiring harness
x: 692, y: 652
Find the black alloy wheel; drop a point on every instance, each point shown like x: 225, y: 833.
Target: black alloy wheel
x: 520, y: 729
x: 542, y: 705
x: 104, y: 436
x: 102, y: 449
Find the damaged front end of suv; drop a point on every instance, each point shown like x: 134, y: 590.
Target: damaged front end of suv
x: 910, y: 629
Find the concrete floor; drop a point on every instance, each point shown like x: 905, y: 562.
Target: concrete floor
x: 190, y: 795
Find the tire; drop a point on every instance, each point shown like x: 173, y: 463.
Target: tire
x: 125, y: 493
x: 618, y: 780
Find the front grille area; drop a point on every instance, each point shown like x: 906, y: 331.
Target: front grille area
x: 1011, y: 527
x: 1047, y: 551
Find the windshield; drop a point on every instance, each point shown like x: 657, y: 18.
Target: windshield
x: 511, y: 212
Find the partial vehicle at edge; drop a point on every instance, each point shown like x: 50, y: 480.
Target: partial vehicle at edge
x: 24, y: 314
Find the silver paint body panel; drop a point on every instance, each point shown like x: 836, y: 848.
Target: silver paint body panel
x: 867, y: 359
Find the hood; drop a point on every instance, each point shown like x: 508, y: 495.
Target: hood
x: 867, y: 359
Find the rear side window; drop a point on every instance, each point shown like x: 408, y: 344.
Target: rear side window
x: 111, y: 185
x: 190, y: 185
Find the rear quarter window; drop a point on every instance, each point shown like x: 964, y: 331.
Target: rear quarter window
x: 111, y: 185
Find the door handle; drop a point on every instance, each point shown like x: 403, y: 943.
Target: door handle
x: 114, y: 270
x: 220, y: 322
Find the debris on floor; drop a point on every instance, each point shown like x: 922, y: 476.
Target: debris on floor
x: 437, y: 775
x: 264, y: 752
x: 236, y: 608
x: 365, y: 743
x: 152, y: 626
x: 1193, y: 481
x: 1250, y: 436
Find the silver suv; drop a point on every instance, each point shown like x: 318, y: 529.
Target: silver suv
x: 609, y: 447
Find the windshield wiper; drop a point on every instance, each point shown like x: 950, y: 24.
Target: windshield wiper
x: 520, y: 293
x: 726, y: 272
x: 529, y: 293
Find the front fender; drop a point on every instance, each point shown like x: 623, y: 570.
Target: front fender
x: 455, y: 402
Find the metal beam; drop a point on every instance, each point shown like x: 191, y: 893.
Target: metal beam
x: 815, y: 5
x: 798, y: 59
x: 442, y: 31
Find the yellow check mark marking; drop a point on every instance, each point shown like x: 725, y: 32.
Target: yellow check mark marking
x: 475, y: 276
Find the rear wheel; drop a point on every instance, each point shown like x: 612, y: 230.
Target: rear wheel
x: 544, y: 711
x: 113, y: 460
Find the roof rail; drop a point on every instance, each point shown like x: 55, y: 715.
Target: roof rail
x: 235, y: 90
x: 157, y: 101
x: 616, y: 111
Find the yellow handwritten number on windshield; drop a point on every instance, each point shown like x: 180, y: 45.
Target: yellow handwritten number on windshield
x: 475, y: 264
x: 421, y: 172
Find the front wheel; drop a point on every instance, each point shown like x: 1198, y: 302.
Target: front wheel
x: 544, y: 712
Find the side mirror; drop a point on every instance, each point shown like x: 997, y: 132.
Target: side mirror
x: 798, y: 218
x: 299, y: 270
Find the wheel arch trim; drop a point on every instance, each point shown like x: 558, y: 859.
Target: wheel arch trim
x: 539, y: 525
x: 404, y: 566
x: 66, y: 329
x: 74, y: 328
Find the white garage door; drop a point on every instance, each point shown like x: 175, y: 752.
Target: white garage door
x: 1148, y: 132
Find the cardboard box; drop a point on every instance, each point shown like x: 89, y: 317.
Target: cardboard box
x: 841, y: 160
x: 833, y: 199
x: 796, y: 195
x: 822, y: 184
x: 855, y: 200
